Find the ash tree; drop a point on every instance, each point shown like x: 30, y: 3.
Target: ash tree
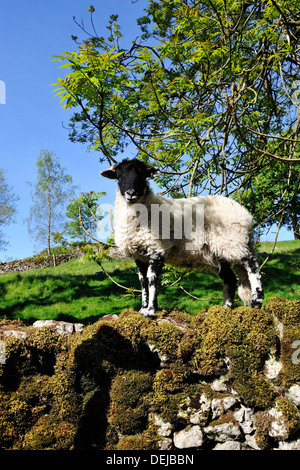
x: 209, y: 92
x: 51, y: 193
x: 8, y: 202
x: 274, y: 198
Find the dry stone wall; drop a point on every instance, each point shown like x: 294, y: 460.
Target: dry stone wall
x: 37, y: 262
x: 223, y: 380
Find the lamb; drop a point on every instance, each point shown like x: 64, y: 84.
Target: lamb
x: 212, y: 231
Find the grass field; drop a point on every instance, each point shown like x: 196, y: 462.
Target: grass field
x: 79, y: 291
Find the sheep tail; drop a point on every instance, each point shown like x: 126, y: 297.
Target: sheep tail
x: 244, y: 287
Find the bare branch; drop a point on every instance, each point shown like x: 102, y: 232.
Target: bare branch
x: 263, y: 153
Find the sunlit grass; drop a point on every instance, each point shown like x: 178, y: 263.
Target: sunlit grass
x: 79, y: 291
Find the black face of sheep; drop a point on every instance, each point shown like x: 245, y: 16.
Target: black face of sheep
x: 131, y: 176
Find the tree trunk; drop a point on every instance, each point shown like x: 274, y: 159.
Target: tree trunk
x: 49, y: 226
x: 296, y: 228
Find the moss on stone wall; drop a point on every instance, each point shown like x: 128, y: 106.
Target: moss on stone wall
x: 100, y: 389
x: 287, y: 315
x: 128, y: 411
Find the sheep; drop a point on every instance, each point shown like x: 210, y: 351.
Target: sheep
x: 219, y: 235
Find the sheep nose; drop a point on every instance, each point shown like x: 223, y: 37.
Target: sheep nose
x: 131, y: 195
x: 131, y: 192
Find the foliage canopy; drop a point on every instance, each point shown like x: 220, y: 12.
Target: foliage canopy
x: 208, y: 92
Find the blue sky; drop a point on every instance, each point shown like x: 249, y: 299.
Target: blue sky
x: 31, y: 33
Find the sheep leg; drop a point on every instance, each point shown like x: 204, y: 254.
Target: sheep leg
x: 154, y: 269
x: 229, y: 282
x: 252, y: 267
x: 142, y: 267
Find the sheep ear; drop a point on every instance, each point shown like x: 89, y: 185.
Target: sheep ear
x: 152, y: 172
x: 110, y: 173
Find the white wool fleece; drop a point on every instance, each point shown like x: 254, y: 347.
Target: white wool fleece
x: 226, y: 233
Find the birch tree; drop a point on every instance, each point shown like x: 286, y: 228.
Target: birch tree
x: 51, y: 192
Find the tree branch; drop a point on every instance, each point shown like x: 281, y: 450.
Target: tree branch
x: 263, y: 153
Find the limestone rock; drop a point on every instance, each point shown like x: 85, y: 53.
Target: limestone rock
x: 61, y: 327
x: 219, y: 405
x: 251, y: 442
x: 198, y: 414
x: 223, y: 432
x: 244, y: 417
x: 293, y: 394
x: 165, y: 444
x: 163, y: 429
x: 281, y: 426
x: 78, y: 327
x: 16, y: 334
x: 189, y: 437
x: 277, y: 427
x: 292, y: 445
x: 110, y: 316
x: 272, y: 368
x: 219, y: 385
x: 229, y: 445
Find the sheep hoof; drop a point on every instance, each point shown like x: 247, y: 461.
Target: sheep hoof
x: 148, y: 313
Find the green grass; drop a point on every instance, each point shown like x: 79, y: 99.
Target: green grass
x: 78, y: 291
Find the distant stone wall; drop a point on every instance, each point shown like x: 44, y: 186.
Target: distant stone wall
x: 37, y: 262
